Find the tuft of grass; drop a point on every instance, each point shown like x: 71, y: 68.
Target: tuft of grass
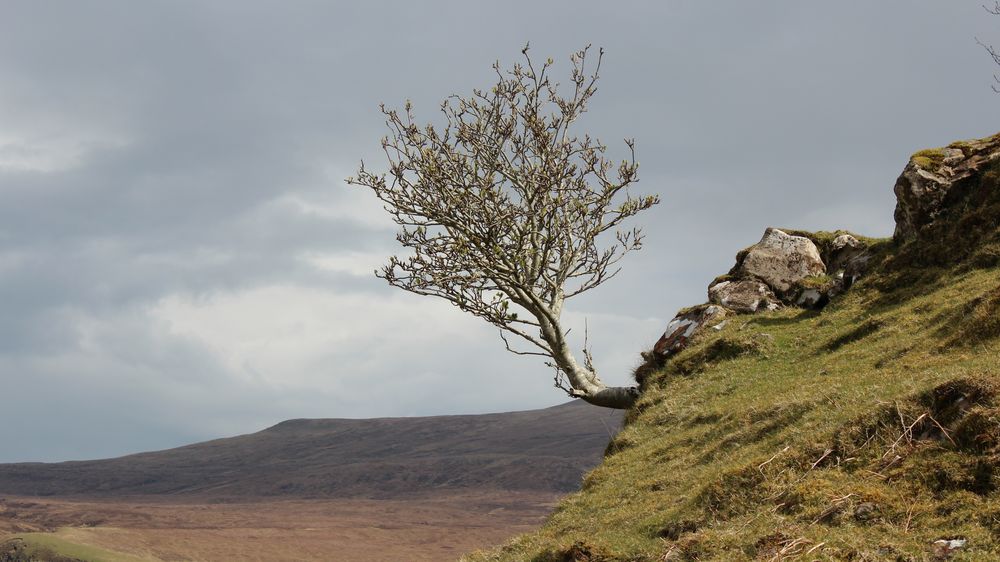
x: 816, y: 282
x: 929, y: 159
x: 722, y: 278
x: 968, y: 146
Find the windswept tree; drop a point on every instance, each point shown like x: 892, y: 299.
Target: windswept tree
x: 507, y: 212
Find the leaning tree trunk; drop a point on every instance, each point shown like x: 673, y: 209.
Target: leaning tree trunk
x: 620, y: 397
x: 584, y: 382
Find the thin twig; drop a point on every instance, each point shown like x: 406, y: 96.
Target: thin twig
x: 892, y: 463
x: 789, y: 547
x: 909, y: 517
x: 834, y: 507
x: 882, y: 476
x: 760, y: 467
x: 819, y: 460
x: 943, y: 431
x: 907, y: 434
x: 813, y: 549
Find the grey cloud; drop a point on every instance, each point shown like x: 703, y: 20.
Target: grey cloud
x: 184, y: 128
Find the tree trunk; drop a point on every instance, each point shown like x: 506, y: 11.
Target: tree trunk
x: 583, y: 381
x: 619, y: 397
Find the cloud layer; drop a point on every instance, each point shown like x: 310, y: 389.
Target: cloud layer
x: 181, y: 259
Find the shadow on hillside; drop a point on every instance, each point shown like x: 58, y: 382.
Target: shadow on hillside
x: 804, y: 314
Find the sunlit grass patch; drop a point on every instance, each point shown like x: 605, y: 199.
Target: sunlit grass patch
x: 59, y: 547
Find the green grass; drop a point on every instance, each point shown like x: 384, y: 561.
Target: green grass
x: 969, y: 145
x: 55, y: 546
x: 783, y: 425
x: 929, y: 159
x: 866, y: 431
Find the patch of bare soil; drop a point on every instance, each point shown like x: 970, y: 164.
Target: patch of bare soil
x: 416, y: 529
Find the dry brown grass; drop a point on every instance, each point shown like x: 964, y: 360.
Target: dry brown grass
x: 419, y: 529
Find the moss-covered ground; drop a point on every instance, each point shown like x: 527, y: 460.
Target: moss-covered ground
x: 865, y: 431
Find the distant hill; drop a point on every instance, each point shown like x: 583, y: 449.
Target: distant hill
x: 544, y: 450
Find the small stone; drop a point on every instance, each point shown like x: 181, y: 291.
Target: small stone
x: 810, y: 298
x: 843, y: 249
x: 864, y: 511
x: 845, y: 241
x: 945, y: 547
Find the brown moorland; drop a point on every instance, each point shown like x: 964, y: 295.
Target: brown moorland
x: 440, y: 527
x: 382, y: 489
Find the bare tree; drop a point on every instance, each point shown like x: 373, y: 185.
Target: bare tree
x: 995, y: 10
x: 508, y: 213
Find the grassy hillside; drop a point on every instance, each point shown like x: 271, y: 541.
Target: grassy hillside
x: 865, y: 431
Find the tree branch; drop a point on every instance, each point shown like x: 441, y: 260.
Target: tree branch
x: 503, y: 205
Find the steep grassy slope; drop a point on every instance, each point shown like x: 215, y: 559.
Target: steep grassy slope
x: 865, y: 431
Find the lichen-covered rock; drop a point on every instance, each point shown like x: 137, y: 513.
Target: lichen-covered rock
x: 934, y: 177
x: 744, y: 295
x: 847, y: 259
x: 812, y: 298
x: 686, y: 325
x: 781, y: 261
x: 843, y: 249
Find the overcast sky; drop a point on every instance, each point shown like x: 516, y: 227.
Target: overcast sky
x: 180, y: 258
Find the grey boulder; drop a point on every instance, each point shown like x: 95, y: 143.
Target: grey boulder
x: 744, y: 295
x: 781, y: 260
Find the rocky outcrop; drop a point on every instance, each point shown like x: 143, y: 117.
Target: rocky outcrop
x: 688, y: 323
x: 934, y: 178
x: 782, y: 269
x: 945, y: 198
x: 781, y: 260
x: 744, y: 296
x: 797, y: 268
